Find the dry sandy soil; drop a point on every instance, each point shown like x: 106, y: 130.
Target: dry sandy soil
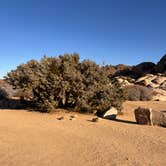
x: 36, y: 139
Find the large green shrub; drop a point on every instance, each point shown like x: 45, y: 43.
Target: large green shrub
x: 66, y: 82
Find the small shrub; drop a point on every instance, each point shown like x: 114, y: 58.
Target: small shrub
x: 137, y: 92
x: 3, y: 94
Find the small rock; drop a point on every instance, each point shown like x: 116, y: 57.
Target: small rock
x: 72, y: 119
x: 73, y: 116
x: 95, y: 119
x: 60, y: 118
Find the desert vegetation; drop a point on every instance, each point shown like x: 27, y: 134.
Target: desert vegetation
x: 3, y: 94
x: 65, y: 82
x: 138, y: 93
x: 84, y: 86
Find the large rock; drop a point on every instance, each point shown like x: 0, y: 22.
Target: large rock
x: 149, y: 117
x: 144, y: 68
x: 158, y: 118
x: 142, y: 115
x: 111, y: 114
x: 161, y: 65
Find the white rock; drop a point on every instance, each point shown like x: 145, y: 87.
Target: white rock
x: 111, y: 113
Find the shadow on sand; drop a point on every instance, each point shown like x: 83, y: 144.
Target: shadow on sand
x: 125, y: 121
x: 118, y: 121
x: 14, y: 104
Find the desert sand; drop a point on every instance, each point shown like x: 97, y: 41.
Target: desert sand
x: 36, y: 139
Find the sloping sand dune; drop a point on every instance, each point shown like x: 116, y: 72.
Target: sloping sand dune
x: 36, y: 139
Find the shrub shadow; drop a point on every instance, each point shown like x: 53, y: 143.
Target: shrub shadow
x: 125, y: 121
x: 14, y: 104
x: 117, y: 120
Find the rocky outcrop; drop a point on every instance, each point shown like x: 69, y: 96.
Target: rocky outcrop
x: 146, y: 74
x: 150, y: 117
x: 141, y: 69
x: 144, y: 68
x: 156, y: 82
x: 152, y: 81
x: 125, y: 81
x: 161, y: 65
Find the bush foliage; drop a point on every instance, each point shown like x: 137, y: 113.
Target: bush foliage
x: 137, y: 92
x: 3, y: 94
x: 65, y: 82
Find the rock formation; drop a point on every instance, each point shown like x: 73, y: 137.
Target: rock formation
x: 161, y: 65
x: 144, y: 68
x: 156, y: 82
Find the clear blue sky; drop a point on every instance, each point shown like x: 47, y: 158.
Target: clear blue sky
x: 110, y: 31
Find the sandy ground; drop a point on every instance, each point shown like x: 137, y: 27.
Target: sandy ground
x: 36, y: 139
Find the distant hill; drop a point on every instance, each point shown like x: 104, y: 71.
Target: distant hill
x: 141, y: 69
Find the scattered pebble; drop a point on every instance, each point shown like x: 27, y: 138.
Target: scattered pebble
x: 72, y: 119
x: 60, y: 118
x: 73, y: 116
x: 95, y: 119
